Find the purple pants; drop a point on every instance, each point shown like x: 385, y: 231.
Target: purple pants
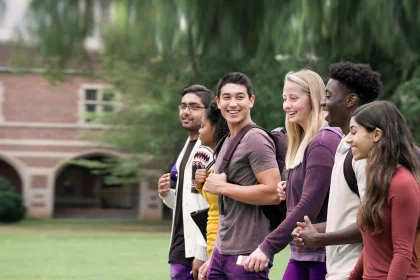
x: 301, y: 270
x: 224, y: 267
x: 180, y: 272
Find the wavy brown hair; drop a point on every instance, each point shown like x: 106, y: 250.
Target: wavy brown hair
x: 395, y: 147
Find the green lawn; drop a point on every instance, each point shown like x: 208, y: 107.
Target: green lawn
x: 90, y: 250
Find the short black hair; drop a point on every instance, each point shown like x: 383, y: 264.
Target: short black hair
x: 216, y: 119
x: 201, y: 91
x: 236, y: 78
x: 357, y: 78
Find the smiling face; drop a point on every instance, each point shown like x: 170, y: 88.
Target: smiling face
x: 191, y: 119
x: 296, y: 104
x: 334, y: 103
x: 235, y: 104
x: 361, y: 140
x: 206, y: 132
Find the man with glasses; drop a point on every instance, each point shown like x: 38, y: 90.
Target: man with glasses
x: 187, y: 247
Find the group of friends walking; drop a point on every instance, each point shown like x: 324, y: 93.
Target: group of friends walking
x: 351, y: 182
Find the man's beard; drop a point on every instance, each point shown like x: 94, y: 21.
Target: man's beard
x: 193, y: 127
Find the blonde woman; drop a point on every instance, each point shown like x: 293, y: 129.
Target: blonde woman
x: 309, y: 159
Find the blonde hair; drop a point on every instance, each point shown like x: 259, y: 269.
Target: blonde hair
x: 313, y: 85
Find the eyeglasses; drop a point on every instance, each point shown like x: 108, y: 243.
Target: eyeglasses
x: 192, y: 107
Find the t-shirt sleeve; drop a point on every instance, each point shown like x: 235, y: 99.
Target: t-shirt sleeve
x: 403, y: 198
x: 261, y: 151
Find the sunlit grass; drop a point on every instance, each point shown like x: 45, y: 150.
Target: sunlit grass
x: 90, y: 250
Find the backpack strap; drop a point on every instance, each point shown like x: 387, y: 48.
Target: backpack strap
x: 210, y: 164
x: 349, y: 174
x: 228, y: 155
x: 232, y: 147
x: 219, y: 145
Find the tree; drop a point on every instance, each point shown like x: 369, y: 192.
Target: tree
x: 152, y: 49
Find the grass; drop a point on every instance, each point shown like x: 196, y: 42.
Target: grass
x: 90, y: 250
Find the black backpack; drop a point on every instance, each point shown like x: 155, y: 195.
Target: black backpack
x: 349, y: 174
x: 274, y: 213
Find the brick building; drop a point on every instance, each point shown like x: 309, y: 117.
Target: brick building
x: 42, y: 128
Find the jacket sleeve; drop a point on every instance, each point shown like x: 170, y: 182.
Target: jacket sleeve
x: 169, y: 199
x: 319, y: 163
x: 201, y: 248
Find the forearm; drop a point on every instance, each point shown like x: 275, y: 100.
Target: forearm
x: 348, y: 235
x: 321, y: 227
x: 256, y: 195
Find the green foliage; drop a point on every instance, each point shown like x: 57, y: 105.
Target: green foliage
x: 152, y: 49
x: 11, y: 203
x: 408, y: 100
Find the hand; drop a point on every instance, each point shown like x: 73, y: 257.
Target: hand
x: 296, y: 234
x: 164, y: 184
x: 200, y: 177
x: 310, y: 236
x: 281, y: 190
x: 202, y: 272
x: 256, y: 261
x: 196, y: 267
x: 215, y: 183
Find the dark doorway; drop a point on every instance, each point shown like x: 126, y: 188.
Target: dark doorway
x: 81, y: 194
x: 9, y: 173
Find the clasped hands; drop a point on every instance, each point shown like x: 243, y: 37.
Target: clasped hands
x: 214, y: 182
x: 305, y: 234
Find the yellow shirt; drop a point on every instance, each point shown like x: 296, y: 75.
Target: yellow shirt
x: 213, y: 219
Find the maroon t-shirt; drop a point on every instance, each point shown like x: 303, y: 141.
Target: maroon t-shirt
x: 243, y: 226
x: 392, y: 254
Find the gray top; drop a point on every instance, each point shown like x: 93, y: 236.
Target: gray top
x: 242, y: 226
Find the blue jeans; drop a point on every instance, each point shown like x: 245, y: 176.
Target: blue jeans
x: 180, y: 272
x: 224, y: 267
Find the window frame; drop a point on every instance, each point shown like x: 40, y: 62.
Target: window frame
x: 99, y: 103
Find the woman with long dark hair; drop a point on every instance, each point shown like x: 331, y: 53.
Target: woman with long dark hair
x: 388, y: 214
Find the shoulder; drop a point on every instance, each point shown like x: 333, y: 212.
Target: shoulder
x: 203, y: 154
x: 403, y: 179
x: 329, y: 138
x: 257, y: 135
x: 359, y: 166
x: 204, y: 149
x: 403, y: 187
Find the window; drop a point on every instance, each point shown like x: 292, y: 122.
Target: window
x: 96, y: 101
